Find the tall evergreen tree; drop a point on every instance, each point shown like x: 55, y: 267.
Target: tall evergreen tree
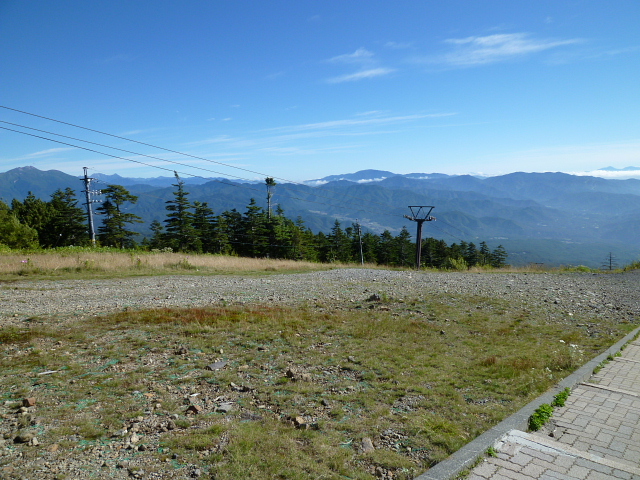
x: 339, y: 245
x: 404, y: 251
x: 484, y: 254
x: 254, y: 223
x: 157, y: 235
x: 204, y: 226
x: 499, y: 257
x: 67, y: 223
x: 113, y: 231
x: 180, y: 234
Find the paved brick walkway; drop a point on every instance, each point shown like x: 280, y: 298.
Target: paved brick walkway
x: 596, y: 435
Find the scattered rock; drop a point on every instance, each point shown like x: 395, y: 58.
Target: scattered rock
x: 224, y: 407
x: 24, y: 437
x: 367, y: 445
x: 216, y: 366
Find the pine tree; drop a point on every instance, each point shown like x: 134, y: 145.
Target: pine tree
x: 484, y: 254
x: 404, y: 251
x: 67, y: 223
x: 339, y: 245
x: 180, y: 234
x: 255, y: 231
x: 499, y: 257
x: 113, y: 231
x: 204, y: 225
x: 157, y: 237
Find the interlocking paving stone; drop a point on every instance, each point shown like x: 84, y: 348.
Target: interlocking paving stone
x: 596, y: 435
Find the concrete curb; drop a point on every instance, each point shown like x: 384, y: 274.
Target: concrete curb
x: 467, y: 455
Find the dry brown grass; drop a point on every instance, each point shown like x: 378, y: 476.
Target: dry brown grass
x: 111, y: 263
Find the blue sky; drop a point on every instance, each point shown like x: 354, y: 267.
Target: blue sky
x: 304, y: 89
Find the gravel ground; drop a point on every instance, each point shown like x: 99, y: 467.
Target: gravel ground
x: 605, y: 293
x: 612, y: 296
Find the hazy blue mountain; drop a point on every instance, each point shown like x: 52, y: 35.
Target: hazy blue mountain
x: 539, y: 217
x: 361, y: 176
x: 17, y: 183
x: 155, y: 181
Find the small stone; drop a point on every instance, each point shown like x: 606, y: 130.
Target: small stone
x: 325, y: 402
x: 367, y: 445
x: 300, y: 422
x: 216, y: 366
x: 224, y: 407
x: 24, y: 437
x: 134, y: 438
x: 34, y: 441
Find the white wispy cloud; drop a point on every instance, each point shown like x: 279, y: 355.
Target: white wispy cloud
x: 350, y: 122
x: 363, y: 59
x: 398, y: 45
x: 361, y: 55
x: 471, y: 51
x: 617, y: 175
x: 47, y: 152
x: 352, y: 77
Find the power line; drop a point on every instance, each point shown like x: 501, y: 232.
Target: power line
x: 164, y: 160
x: 187, y: 165
x: 186, y: 173
x: 165, y: 149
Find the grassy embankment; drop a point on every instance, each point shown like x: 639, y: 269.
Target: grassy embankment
x: 307, y: 385
x: 75, y: 262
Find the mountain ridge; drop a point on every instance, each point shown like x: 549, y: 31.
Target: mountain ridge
x: 583, y: 213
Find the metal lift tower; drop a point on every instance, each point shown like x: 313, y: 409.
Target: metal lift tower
x: 420, y: 214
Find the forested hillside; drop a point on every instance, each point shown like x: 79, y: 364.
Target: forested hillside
x: 551, y: 218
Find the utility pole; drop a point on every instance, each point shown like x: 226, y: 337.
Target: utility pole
x: 420, y: 214
x: 610, y: 262
x: 270, y: 183
x: 360, y: 240
x: 88, y: 192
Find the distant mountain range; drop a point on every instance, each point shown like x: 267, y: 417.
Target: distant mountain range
x: 552, y: 218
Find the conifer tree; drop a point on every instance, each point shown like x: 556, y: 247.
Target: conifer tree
x: 179, y: 233
x: 67, y: 223
x: 113, y: 231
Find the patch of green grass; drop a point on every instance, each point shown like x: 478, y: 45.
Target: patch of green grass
x: 420, y: 378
